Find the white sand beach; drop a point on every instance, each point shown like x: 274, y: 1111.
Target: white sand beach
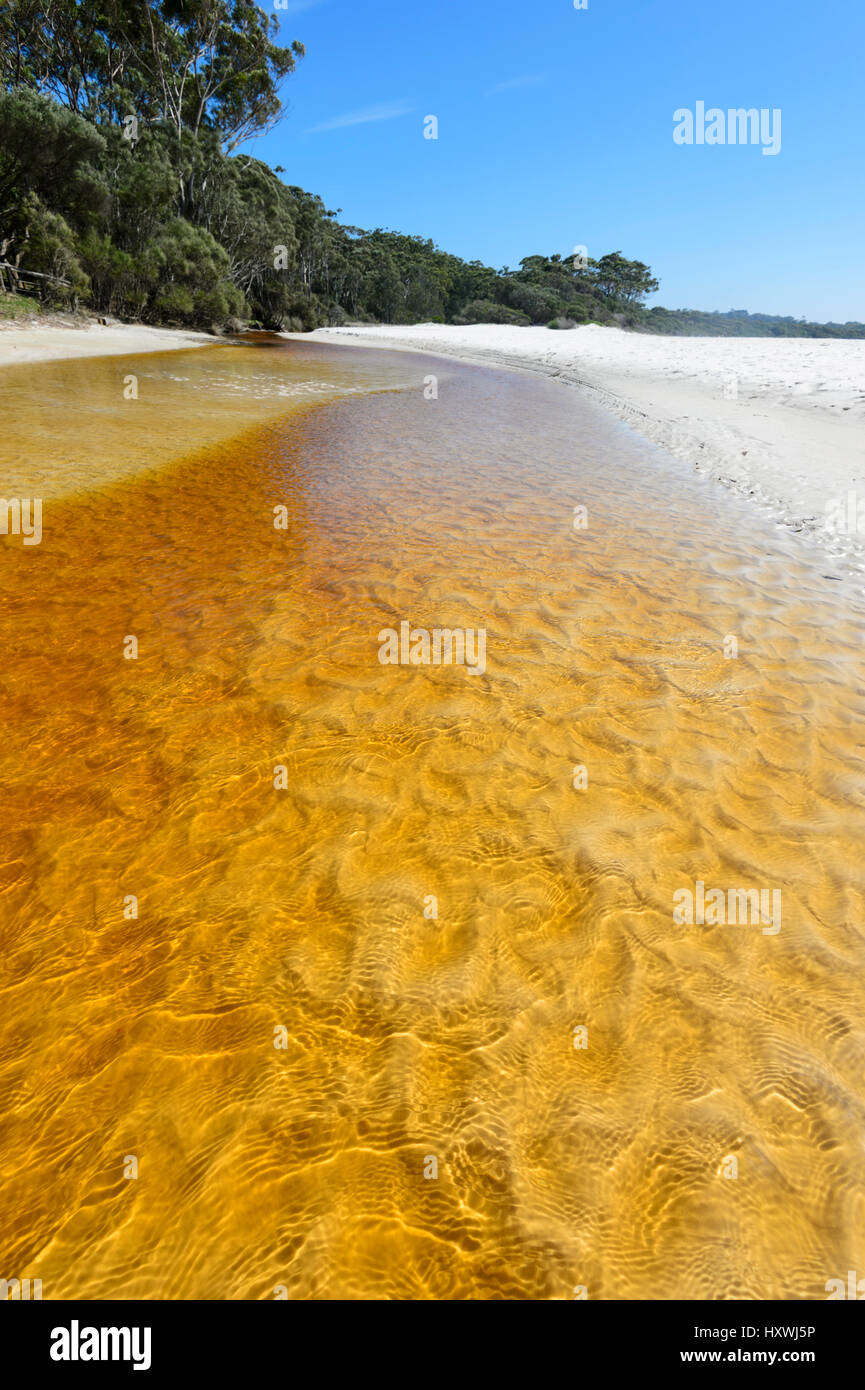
x: 777, y: 419
x: 54, y: 342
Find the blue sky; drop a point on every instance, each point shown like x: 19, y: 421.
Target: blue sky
x: 555, y: 130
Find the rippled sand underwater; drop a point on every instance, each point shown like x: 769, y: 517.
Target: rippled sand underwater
x: 302, y: 1168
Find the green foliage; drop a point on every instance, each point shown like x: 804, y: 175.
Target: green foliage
x: 486, y: 311
x: 47, y: 151
x: 535, y: 301
x: 52, y: 250
x: 190, y: 65
x: 627, y: 282
x: 189, y: 272
x: 738, y: 323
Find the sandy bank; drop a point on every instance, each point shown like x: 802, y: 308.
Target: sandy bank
x: 37, y: 342
x: 777, y: 419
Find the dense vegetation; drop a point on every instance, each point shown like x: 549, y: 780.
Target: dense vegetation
x: 120, y: 190
x: 738, y: 323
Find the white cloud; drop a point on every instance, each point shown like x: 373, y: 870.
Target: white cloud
x: 385, y: 111
x: 530, y: 79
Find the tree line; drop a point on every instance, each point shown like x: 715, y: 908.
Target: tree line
x: 122, y: 189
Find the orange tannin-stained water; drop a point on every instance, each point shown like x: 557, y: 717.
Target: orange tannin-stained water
x: 406, y: 1010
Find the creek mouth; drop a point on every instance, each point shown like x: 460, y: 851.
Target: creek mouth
x: 302, y: 914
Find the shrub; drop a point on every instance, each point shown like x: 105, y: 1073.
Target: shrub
x: 47, y: 247
x: 485, y: 311
x: 192, y: 273
x: 535, y: 301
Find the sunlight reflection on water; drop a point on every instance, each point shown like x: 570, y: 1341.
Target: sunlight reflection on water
x: 303, y: 909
